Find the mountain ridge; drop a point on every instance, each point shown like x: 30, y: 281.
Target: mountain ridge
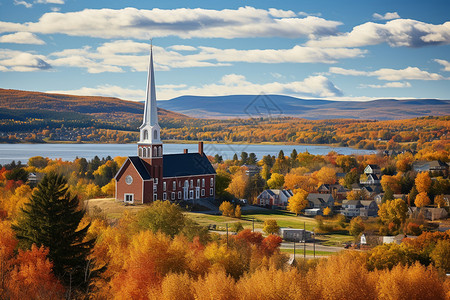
x: 313, y: 109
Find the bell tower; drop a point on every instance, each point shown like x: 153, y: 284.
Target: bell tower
x: 150, y: 146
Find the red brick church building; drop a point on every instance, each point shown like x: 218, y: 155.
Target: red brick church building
x: 152, y: 175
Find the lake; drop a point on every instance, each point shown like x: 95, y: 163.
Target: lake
x: 22, y: 152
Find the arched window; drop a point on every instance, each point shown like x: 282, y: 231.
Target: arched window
x: 145, y: 135
x: 155, y: 153
x: 144, y: 152
x: 149, y: 151
x: 159, y: 151
x: 155, y: 134
x: 140, y: 152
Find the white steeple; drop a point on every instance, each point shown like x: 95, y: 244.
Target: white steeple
x: 150, y: 130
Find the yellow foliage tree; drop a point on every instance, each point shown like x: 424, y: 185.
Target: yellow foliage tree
x: 325, y: 175
x: 410, y: 282
x: 298, y: 202
x: 276, y: 181
x: 440, y: 201
x: 422, y: 200
x: 238, y: 185
x: 423, y: 182
x: 109, y: 189
x: 327, y: 211
x: 227, y: 209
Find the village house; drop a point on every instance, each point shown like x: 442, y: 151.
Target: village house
x: 274, y: 197
x: 361, y: 208
x: 317, y: 203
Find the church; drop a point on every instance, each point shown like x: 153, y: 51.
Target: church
x: 152, y: 175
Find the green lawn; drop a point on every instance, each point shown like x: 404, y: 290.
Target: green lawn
x: 284, y: 219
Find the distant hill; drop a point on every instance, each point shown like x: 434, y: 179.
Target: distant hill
x: 279, y: 106
x: 16, y: 104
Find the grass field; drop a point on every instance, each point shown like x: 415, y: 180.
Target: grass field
x: 114, y: 210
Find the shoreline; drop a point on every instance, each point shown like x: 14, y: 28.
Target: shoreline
x: 186, y: 142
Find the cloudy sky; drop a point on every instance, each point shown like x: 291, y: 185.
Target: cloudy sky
x: 349, y: 49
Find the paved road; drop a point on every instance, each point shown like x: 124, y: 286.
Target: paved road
x: 309, y: 246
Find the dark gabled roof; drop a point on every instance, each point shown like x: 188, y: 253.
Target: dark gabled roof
x: 186, y: 164
x: 140, y: 167
x: 351, y: 202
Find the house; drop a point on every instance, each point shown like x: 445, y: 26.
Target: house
x: 372, y: 169
x: 369, y: 209
x: 362, y: 208
x: 295, y: 235
x: 330, y: 188
x: 430, y: 166
x: 274, y: 197
x: 153, y: 175
x: 317, y: 203
x: 251, y: 170
x: 430, y: 213
x: 371, y: 179
x: 351, y: 208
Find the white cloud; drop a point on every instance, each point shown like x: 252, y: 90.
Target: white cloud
x: 386, y: 16
x: 21, y: 38
x: 395, y: 84
x: 279, y: 13
x: 305, y: 14
x: 409, y: 73
x: 24, y: 3
x: 182, y: 48
x: 182, y: 22
x: 117, y: 55
x: 231, y: 84
x: 444, y: 63
x: 49, y: 1
x: 397, y: 33
x: 55, y: 9
x: 236, y: 84
x: 297, y: 54
x: 106, y: 91
x: 18, y: 61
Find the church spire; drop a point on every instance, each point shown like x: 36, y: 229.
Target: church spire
x: 150, y: 130
x: 150, y: 110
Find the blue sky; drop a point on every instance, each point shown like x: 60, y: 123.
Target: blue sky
x: 358, y: 50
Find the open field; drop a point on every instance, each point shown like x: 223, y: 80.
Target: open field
x: 114, y: 210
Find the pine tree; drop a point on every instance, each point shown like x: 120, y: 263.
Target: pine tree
x: 51, y: 219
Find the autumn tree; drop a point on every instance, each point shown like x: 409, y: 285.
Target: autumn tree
x: 441, y: 255
x: 423, y: 182
x: 162, y: 216
x: 223, y: 180
x: 298, y: 201
x: 237, y: 212
x: 271, y: 226
x: 238, y: 185
x: 325, y: 175
x: 51, y: 219
x: 227, y: 209
x: 440, y: 201
x: 393, y: 211
x: 422, y: 200
x: 356, y: 226
x: 32, y: 276
x: 327, y: 211
x: 276, y: 181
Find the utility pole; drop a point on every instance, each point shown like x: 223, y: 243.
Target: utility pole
x: 314, y: 243
x: 227, y: 235
x: 253, y: 224
x: 304, y: 240
x: 294, y: 252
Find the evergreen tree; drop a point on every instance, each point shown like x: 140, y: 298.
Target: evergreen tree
x: 51, y: 219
